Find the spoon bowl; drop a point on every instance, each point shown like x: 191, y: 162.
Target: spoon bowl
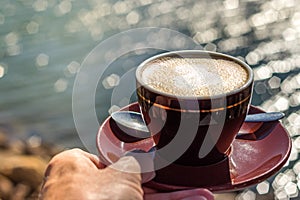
x: 131, y: 123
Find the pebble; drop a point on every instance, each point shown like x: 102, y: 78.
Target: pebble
x: 6, y: 187
x: 22, y: 168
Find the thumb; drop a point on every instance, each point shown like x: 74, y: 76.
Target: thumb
x: 126, y: 168
x: 125, y: 177
x: 126, y: 164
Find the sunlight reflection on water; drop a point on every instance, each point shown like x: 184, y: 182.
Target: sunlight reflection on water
x: 43, y: 42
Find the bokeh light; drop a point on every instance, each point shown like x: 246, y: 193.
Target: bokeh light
x: 43, y: 42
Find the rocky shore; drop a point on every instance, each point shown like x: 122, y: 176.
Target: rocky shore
x: 22, y: 166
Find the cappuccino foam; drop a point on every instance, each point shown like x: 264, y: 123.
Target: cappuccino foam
x: 194, y: 76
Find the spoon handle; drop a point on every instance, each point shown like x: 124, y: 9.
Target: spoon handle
x: 264, y: 117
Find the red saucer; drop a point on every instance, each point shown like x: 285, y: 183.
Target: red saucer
x: 259, y: 151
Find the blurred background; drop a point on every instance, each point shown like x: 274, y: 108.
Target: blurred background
x: 44, y: 42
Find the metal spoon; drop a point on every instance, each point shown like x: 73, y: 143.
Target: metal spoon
x: 131, y: 123
x: 264, y: 117
x: 134, y: 121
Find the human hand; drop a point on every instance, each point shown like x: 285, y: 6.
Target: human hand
x: 76, y: 174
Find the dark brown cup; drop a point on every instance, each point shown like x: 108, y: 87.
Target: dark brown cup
x: 183, y: 126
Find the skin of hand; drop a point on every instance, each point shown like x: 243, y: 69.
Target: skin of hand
x: 78, y: 175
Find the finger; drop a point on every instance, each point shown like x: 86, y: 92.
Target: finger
x: 95, y: 159
x: 72, y: 160
x: 126, y: 172
x: 126, y: 164
x: 197, y: 194
x: 146, y: 162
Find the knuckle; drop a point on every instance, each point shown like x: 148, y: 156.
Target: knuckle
x: 66, y: 160
x: 66, y: 155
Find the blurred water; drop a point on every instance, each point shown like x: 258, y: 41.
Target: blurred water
x: 43, y: 42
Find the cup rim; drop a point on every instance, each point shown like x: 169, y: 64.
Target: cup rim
x: 210, y: 54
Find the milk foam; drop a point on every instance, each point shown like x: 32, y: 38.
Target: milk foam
x: 194, y: 76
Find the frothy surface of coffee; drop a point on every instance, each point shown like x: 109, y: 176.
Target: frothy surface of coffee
x: 194, y: 76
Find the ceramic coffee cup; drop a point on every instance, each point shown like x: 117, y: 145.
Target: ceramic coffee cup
x: 194, y: 103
